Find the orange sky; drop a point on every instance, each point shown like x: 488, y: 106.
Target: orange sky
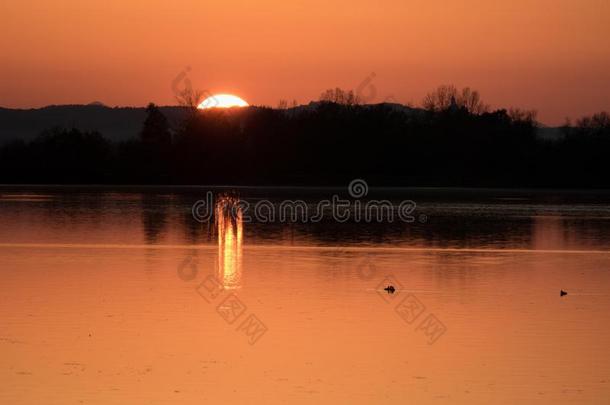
x: 551, y: 55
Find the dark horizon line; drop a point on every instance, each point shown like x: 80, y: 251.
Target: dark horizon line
x: 102, y: 105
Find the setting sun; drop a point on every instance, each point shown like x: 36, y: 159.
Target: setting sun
x: 222, y: 101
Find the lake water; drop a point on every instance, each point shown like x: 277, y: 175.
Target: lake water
x: 115, y: 296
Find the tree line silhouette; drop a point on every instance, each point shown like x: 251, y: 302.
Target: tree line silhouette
x: 454, y: 140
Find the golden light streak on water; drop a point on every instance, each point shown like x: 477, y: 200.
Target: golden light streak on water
x: 229, y: 227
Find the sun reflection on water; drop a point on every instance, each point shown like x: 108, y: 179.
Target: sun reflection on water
x: 229, y: 227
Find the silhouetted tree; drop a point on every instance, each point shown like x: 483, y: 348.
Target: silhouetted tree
x: 523, y: 116
x: 189, y: 98
x: 597, y: 123
x: 156, y: 129
x: 340, y: 96
x: 446, y: 96
x: 327, y: 143
x: 283, y: 104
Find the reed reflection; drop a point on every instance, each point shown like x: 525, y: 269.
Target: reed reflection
x: 229, y: 227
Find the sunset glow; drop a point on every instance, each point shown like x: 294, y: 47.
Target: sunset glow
x: 513, y: 57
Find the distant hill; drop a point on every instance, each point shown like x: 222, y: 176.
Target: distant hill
x: 393, y: 106
x: 115, y: 123
x: 121, y: 123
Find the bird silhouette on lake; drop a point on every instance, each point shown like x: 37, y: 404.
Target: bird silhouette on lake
x: 562, y: 293
x: 390, y: 289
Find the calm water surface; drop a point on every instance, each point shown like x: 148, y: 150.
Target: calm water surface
x: 120, y: 296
